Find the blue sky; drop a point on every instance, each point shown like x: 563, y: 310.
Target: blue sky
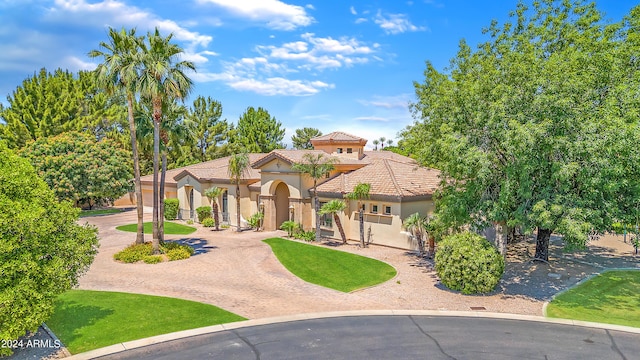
x: 334, y: 65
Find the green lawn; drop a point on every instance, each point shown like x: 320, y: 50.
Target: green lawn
x: 330, y: 268
x: 612, y: 297
x: 87, y: 320
x: 170, y: 228
x: 85, y: 213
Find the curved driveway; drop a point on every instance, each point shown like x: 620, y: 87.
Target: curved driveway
x: 239, y: 273
x: 396, y: 337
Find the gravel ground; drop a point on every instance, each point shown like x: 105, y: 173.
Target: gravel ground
x: 239, y: 273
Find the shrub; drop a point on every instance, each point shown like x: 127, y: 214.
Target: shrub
x: 204, y: 212
x: 225, y: 226
x: 168, y: 246
x: 208, y: 222
x: 467, y: 262
x: 152, y: 259
x: 133, y: 253
x: 178, y: 254
x: 307, y: 236
x: 255, y: 219
x: 171, y: 207
x: 190, y: 222
x: 291, y: 227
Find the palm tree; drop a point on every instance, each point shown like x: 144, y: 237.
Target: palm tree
x: 119, y: 71
x: 334, y: 207
x: 389, y: 142
x: 376, y: 143
x: 162, y: 79
x: 316, y: 166
x: 213, y: 193
x: 360, y: 192
x: 238, y: 167
x: 417, y: 226
x: 382, y: 141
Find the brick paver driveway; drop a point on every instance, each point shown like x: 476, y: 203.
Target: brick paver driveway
x: 239, y: 273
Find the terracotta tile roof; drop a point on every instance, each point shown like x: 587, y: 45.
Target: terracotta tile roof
x: 338, y: 136
x: 388, y: 177
x: 209, y: 170
x: 296, y: 156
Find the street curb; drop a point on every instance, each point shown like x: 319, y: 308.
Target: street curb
x: 116, y: 348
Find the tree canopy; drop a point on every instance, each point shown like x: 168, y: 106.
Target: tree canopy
x: 43, y: 250
x: 301, y: 139
x: 537, y: 127
x: 48, y: 104
x: 258, y: 131
x: 80, y: 169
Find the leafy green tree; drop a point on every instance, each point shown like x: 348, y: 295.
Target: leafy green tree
x: 258, y: 131
x: 334, y: 207
x: 43, y: 250
x: 80, y: 169
x: 48, y: 104
x: 238, y: 168
x: 208, y: 132
x: 528, y: 129
x: 162, y: 80
x: 315, y: 166
x: 119, y: 73
x: 360, y: 192
x: 213, y: 193
x: 302, y: 138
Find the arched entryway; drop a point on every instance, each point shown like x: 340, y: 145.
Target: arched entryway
x: 282, y: 204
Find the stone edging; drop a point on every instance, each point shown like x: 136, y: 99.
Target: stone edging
x: 63, y: 349
x: 114, y: 349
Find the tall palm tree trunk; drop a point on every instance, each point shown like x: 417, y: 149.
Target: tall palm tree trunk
x: 238, y: 205
x: 163, y: 175
x: 216, y: 216
x: 136, y: 171
x: 340, y: 228
x: 316, y: 206
x: 361, y: 213
x: 156, y: 195
x: 432, y: 245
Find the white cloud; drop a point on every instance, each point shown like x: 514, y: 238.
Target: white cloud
x: 260, y: 76
x: 272, y: 71
x: 353, y: 10
x: 280, y: 86
x: 371, y: 118
x: 388, y: 102
x: 320, y: 53
x: 80, y: 64
x: 275, y: 13
x: 116, y: 14
x: 396, y: 23
x: 361, y: 20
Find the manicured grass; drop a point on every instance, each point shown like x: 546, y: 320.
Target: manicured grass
x: 85, y: 213
x: 170, y: 228
x: 330, y: 268
x: 612, y: 297
x: 86, y: 320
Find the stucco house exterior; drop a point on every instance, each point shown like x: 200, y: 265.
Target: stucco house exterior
x: 399, y: 188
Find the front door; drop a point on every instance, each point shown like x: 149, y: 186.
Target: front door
x: 282, y: 204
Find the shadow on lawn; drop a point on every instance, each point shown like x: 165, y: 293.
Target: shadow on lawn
x: 199, y: 245
x: 70, y: 317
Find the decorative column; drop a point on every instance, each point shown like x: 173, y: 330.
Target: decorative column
x: 269, y: 212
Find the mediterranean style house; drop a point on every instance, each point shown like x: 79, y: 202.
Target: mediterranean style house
x: 399, y: 188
